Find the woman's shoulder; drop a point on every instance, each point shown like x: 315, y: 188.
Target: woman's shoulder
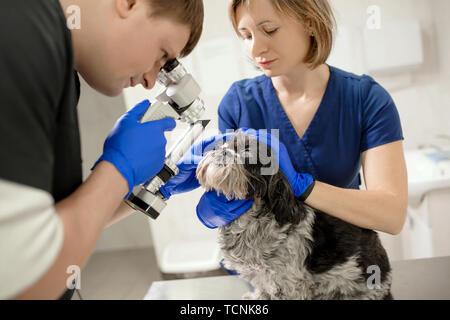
x: 246, y: 96
x: 363, y: 85
x: 247, y: 91
x: 250, y: 84
x: 351, y: 77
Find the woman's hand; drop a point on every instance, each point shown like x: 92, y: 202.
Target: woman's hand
x: 301, y: 183
x: 216, y: 211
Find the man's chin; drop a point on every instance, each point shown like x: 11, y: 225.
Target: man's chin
x: 112, y: 92
x: 109, y: 91
x: 106, y: 89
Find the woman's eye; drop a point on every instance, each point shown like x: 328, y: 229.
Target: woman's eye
x: 272, y: 31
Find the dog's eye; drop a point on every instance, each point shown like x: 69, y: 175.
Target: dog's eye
x: 249, y: 157
x: 246, y: 153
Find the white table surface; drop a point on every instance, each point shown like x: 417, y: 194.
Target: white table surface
x: 423, y: 279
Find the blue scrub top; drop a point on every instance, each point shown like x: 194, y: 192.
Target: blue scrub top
x: 355, y: 114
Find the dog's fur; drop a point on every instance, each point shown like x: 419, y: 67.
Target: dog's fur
x: 284, y: 248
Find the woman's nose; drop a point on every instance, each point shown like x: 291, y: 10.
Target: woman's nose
x: 258, y: 46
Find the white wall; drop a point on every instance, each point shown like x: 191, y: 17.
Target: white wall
x: 423, y: 101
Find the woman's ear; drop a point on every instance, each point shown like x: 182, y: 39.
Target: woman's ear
x: 281, y: 200
x: 308, y: 27
x: 125, y: 7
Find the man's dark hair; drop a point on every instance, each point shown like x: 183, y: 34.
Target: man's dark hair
x: 187, y: 12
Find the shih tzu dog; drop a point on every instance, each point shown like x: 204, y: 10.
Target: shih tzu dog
x: 282, y: 247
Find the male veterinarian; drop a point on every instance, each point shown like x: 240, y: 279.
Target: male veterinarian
x: 49, y: 219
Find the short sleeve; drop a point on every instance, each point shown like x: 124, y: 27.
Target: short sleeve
x: 32, y: 72
x: 380, y: 119
x: 31, y: 236
x: 229, y: 110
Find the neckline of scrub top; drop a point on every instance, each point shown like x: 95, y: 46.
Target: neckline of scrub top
x: 316, y: 116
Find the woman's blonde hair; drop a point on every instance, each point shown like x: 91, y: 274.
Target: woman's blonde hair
x: 315, y: 15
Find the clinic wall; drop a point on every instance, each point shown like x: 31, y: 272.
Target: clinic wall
x: 421, y: 95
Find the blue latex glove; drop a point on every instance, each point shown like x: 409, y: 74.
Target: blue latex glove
x: 216, y: 211
x: 301, y: 183
x: 137, y: 149
x: 186, y: 179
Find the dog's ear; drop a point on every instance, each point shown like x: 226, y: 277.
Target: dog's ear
x: 257, y: 186
x: 281, y: 200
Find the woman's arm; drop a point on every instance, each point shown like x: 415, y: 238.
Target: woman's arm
x: 383, y: 205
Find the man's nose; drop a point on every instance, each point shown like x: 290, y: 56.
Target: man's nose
x: 149, y: 78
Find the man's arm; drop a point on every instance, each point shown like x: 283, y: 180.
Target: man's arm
x: 84, y: 215
x: 123, y: 211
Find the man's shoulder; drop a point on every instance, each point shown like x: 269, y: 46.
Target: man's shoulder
x: 19, y: 15
x: 37, y: 88
x: 34, y: 31
x: 36, y: 54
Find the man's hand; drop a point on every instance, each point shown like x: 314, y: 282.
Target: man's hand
x: 137, y: 150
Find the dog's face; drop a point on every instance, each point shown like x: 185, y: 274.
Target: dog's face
x: 244, y: 168
x: 234, y: 168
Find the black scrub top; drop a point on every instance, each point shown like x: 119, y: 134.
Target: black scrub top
x: 39, y: 92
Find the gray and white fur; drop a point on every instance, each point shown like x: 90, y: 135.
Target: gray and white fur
x: 284, y: 248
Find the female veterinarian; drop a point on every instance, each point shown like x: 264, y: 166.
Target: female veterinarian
x: 49, y: 219
x: 330, y: 121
